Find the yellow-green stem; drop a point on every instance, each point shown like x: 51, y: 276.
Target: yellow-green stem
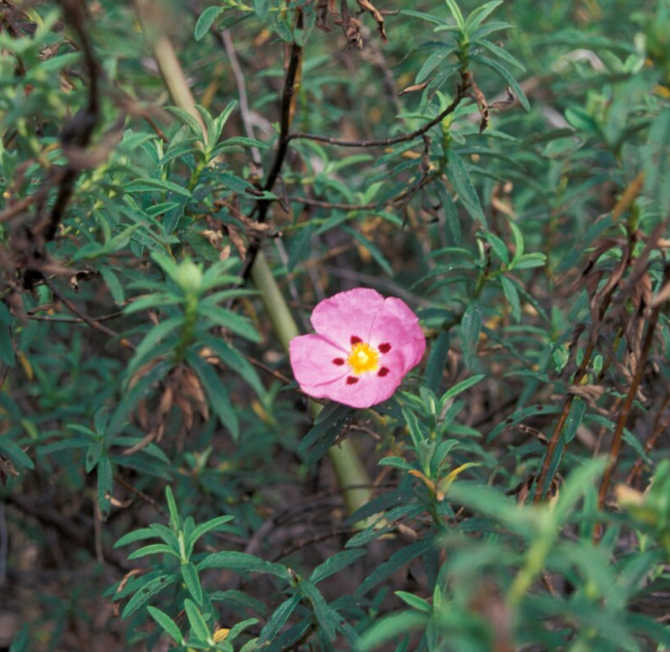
x: 348, y: 468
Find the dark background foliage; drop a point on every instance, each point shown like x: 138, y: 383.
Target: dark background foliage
x: 176, y: 175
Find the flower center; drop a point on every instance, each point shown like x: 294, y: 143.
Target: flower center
x: 363, y: 358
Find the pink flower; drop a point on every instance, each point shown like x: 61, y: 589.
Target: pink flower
x: 364, y: 347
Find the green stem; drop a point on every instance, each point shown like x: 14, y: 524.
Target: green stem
x: 348, y: 468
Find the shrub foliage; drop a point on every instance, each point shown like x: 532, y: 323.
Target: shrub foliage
x: 182, y: 181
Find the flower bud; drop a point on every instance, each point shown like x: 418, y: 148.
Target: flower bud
x: 188, y: 276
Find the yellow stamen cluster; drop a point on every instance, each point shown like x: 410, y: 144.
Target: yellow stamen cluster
x: 363, y: 358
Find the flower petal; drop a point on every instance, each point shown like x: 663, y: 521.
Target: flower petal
x: 316, y: 361
x: 397, y: 325
x: 346, y: 315
x: 367, y: 389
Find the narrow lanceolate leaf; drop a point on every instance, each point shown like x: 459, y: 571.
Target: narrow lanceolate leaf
x: 397, y: 561
x: 456, y: 13
x: 657, y: 163
x: 153, y: 185
x: 242, y: 562
x: 9, y: 450
x: 437, y: 360
x: 168, y: 625
x: 141, y: 389
x: 105, y: 485
x: 326, y: 428
x: 197, y: 622
x: 414, y: 427
x: 189, y: 574
x: 415, y: 601
x: 335, y: 564
x: 326, y: 616
x: 460, y: 387
x: 205, y: 21
x: 471, y: 325
x: 278, y: 620
x: 6, y: 346
x: 512, y: 296
x: 212, y: 525
x: 479, y: 15
x: 145, y: 594
x: 460, y: 179
x: 507, y: 77
x: 219, y: 399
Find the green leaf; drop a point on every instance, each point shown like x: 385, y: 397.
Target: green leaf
x: 143, y: 595
x: 456, y: 13
x: 228, y: 319
x: 423, y: 16
x: 415, y: 601
x: 521, y: 415
x: 197, y: 622
x: 575, y: 418
x: 437, y: 360
x: 137, y: 535
x: 144, y: 350
x: 232, y: 181
x: 414, y: 428
x: 656, y: 161
x: 498, y: 246
x: 235, y: 361
x: 261, y: 9
x: 499, y: 52
x: 186, y: 118
x: 471, y: 325
x: 335, y: 564
x: 105, y: 485
x: 479, y: 15
x: 460, y: 178
x: 93, y: 455
x: 175, y: 519
x: 168, y: 625
x: 140, y: 390
x: 518, y: 241
x: 153, y: 549
x: 459, y: 388
x: 210, y: 526
x: 278, y: 619
x: 391, y: 626
x: 394, y: 564
x: 507, y: 77
x: 205, y: 21
x: 192, y: 581
x: 6, y: 347
x: 5, y: 315
x: 326, y: 428
x: 512, y: 296
x: 217, y: 393
x: 153, y: 185
x: 326, y: 616
x: 113, y: 284
x: 9, y: 450
x: 243, y: 562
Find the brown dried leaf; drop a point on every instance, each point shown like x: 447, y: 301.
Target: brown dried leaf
x: 590, y: 393
x: 368, y: 6
x: 414, y: 88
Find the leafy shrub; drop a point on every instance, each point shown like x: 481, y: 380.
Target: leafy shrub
x: 181, y: 182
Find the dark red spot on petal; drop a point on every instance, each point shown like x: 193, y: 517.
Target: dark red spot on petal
x: 338, y: 361
x: 382, y: 372
x: 352, y: 380
x: 385, y: 347
x: 355, y: 339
